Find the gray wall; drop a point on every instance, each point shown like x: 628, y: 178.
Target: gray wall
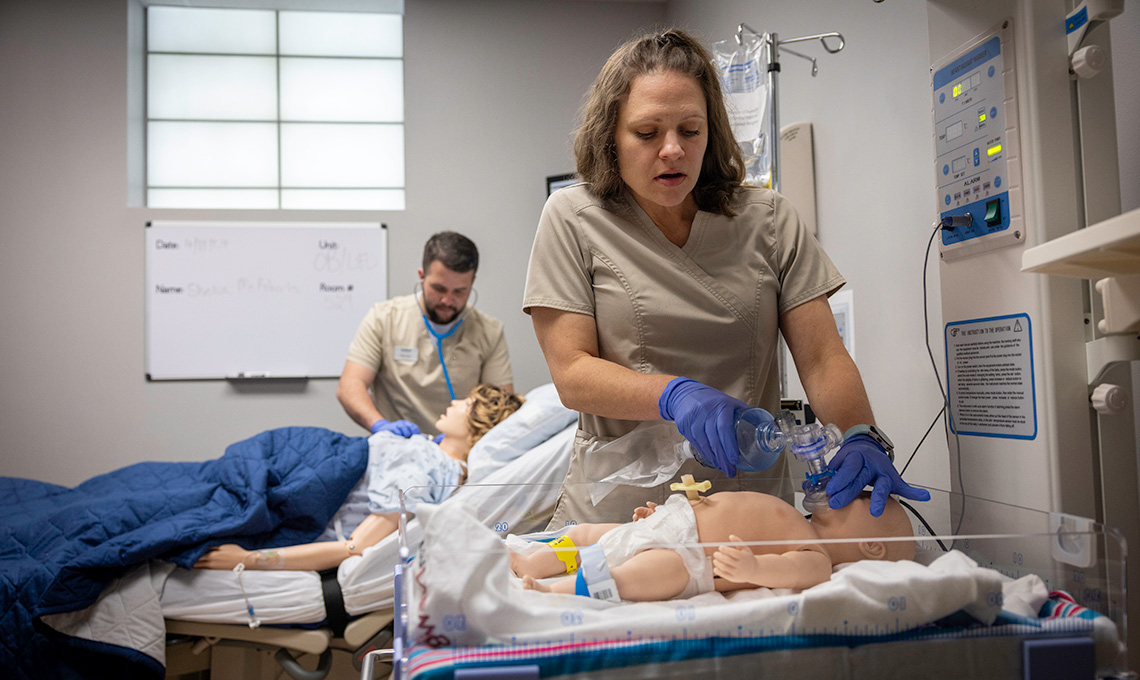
x: 870, y: 111
x: 1125, y: 31
x: 492, y: 91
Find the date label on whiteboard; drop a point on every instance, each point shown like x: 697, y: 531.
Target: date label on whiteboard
x: 990, y: 367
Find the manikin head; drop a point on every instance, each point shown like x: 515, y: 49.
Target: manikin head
x: 447, y: 275
x: 856, y: 521
x: 469, y: 419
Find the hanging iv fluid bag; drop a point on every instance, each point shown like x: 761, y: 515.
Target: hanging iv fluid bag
x: 742, y: 78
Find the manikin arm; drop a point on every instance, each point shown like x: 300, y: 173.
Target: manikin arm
x: 797, y: 569
x: 306, y: 557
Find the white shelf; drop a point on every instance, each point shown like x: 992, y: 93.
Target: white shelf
x: 1108, y: 248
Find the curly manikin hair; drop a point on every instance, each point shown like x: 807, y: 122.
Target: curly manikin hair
x: 490, y: 405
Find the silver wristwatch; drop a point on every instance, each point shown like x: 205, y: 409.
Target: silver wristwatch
x: 874, y: 433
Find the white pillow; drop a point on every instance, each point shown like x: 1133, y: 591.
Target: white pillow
x: 540, y: 417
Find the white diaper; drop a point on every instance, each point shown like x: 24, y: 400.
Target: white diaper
x: 672, y: 526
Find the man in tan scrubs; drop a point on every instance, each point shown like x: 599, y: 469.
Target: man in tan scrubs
x: 397, y: 351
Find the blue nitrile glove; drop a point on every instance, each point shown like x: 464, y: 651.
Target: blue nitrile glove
x: 438, y: 438
x: 861, y: 461
x: 707, y: 418
x: 402, y: 428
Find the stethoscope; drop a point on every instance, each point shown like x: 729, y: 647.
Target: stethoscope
x: 418, y: 289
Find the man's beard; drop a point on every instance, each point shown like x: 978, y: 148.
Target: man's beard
x: 433, y: 314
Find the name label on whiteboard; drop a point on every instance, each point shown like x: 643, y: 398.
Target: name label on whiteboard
x: 990, y: 367
x: 407, y: 355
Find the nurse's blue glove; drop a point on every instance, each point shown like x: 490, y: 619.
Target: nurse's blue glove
x: 402, y: 428
x: 861, y: 461
x: 438, y: 438
x: 707, y: 418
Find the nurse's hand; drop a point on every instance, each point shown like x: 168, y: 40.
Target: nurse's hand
x: 707, y: 418
x: 861, y: 461
x: 402, y: 428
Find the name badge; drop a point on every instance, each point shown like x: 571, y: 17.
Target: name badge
x: 406, y: 354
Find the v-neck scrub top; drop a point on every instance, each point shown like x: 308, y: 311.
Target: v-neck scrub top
x: 708, y: 310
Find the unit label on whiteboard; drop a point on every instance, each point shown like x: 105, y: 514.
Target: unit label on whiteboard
x: 989, y: 364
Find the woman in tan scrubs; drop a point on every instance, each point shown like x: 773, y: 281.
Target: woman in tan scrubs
x: 658, y: 285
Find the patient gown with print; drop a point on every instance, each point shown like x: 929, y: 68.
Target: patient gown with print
x: 59, y: 547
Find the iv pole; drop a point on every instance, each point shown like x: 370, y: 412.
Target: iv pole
x: 772, y: 45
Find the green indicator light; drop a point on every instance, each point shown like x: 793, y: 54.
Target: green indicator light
x: 994, y: 149
x: 981, y: 117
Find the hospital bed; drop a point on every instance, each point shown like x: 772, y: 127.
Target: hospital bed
x: 1033, y: 595
x: 205, y: 609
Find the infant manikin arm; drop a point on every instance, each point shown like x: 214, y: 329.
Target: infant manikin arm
x: 799, y: 569
x: 644, y: 511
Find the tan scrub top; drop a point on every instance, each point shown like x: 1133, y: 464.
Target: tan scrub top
x: 707, y: 311
x: 393, y: 341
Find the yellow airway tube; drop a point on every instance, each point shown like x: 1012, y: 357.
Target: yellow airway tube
x: 566, y: 551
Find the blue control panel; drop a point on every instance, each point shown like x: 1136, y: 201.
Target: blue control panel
x: 972, y: 143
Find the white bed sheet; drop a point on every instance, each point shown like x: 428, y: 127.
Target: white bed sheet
x: 469, y: 580
x: 295, y: 597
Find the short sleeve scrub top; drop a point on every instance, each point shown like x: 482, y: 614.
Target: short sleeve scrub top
x: 708, y: 311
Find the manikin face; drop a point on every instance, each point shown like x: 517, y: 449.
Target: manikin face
x: 661, y: 135
x: 445, y: 291
x: 453, y: 421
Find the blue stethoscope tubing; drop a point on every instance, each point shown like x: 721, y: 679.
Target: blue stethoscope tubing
x: 440, y: 337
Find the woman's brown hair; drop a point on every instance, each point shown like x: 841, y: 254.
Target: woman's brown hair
x: 722, y: 170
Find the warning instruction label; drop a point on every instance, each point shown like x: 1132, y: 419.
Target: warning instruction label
x: 990, y: 367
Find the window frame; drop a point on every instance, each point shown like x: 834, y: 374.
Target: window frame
x: 397, y: 200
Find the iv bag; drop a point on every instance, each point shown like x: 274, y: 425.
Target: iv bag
x: 746, y: 100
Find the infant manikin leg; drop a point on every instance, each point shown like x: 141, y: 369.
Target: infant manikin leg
x: 651, y: 575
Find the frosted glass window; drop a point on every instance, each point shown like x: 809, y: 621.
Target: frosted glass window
x: 334, y: 90
x: 342, y: 34
x: 211, y: 154
x: 342, y: 155
x: 267, y: 109
x: 211, y: 87
x: 212, y: 198
x: 211, y: 31
x: 342, y: 199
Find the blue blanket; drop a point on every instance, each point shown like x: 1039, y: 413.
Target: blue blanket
x: 59, y: 547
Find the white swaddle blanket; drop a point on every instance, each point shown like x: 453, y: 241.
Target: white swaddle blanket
x: 464, y: 593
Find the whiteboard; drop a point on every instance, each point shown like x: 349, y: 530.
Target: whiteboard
x: 258, y: 299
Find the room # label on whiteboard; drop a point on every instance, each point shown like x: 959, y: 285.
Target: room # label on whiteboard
x: 989, y: 364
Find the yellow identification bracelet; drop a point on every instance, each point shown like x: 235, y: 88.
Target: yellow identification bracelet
x: 564, y: 549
